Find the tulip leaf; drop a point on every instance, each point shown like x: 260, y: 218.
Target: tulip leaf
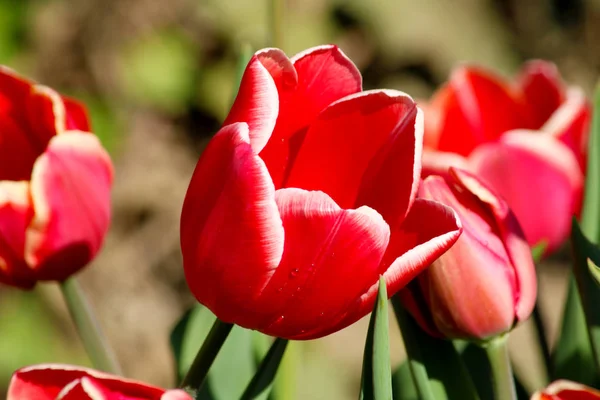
x: 590, y: 221
x: 262, y: 381
x: 403, y: 386
x: 594, y: 271
x: 376, y: 381
x: 572, y: 356
x: 585, y: 252
x: 437, y: 369
x: 237, y: 357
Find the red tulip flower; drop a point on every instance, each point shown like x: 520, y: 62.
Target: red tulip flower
x: 66, y: 382
x: 485, y: 284
x: 306, y: 196
x: 526, y: 138
x: 566, y: 390
x: 55, y: 181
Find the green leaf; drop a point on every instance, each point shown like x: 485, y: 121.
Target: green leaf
x: 403, y: 386
x: 437, y: 369
x: 261, y: 383
x: 590, y: 223
x: 237, y: 358
x: 594, y: 271
x: 376, y: 374
x: 572, y: 356
x: 586, y: 252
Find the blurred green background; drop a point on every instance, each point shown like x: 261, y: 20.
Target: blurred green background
x: 158, y: 77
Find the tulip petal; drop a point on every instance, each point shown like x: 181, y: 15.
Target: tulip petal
x: 46, y: 116
x: 429, y: 230
x: 231, y: 232
x: 20, y: 147
x: 322, y: 75
x: 47, y: 381
x: 76, y: 116
x: 540, y: 179
x: 257, y: 102
x: 346, y: 146
x: 391, y: 180
x: 566, y: 390
x: 70, y: 190
x: 438, y: 163
x: 331, y: 256
x: 474, y: 108
x: 513, y: 238
x: 543, y: 89
x: 15, y: 215
x: 570, y: 124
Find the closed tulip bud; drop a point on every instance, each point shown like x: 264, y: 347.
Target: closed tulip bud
x: 566, y: 390
x: 485, y: 284
x: 55, y: 180
x: 306, y: 196
x: 57, y: 381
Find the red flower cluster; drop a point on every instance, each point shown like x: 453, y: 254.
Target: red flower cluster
x: 527, y: 139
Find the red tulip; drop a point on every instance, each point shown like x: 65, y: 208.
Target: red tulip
x: 526, y: 139
x: 306, y: 196
x: 485, y: 283
x: 55, y: 181
x: 66, y: 382
x: 566, y: 390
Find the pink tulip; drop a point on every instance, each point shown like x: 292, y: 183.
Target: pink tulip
x: 55, y: 181
x: 67, y: 382
x: 566, y: 390
x: 306, y: 196
x: 527, y: 139
x: 485, y: 284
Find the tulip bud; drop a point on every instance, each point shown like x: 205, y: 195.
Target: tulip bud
x: 55, y: 180
x: 566, y: 390
x: 486, y: 282
x: 57, y: 381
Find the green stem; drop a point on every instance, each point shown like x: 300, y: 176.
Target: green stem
x: 95, y: 344
x: 501, y: 371
x: 540, y: 332
x: 196, y: 375
x: 277, y: 13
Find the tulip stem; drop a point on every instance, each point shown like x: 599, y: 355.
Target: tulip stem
x: 198, y: 371
x: 501, y: 372
x: 94, y: 342
x: 277, y: 13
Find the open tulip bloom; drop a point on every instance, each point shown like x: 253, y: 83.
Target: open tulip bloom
x: 306, y: 196
x: 527, y: 139
x: 55, y: 180
x: 66, y: 382
x: 566, y: 390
